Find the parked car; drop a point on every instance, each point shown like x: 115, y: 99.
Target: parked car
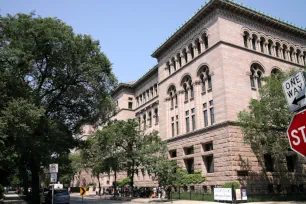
x: 61, y: 196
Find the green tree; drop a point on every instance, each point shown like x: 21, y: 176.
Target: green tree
x: 265, y: 123
x: 54, y: 81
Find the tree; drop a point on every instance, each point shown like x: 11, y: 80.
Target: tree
x: 54, y: 81
x: 265, y: 123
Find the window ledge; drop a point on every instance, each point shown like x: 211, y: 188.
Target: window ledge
x: 253, y: 88
x: 203, y: 93
x: 186, y: 101
x: 209, y: 90
x: 175, y: 106
x: 191, y: 99
x: 171, y: 108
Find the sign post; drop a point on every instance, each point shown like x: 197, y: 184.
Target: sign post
x: 295, y: 90
x: 82, y: 192
x: 53, y: 169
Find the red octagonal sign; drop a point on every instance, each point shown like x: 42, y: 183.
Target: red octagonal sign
x: 297, y: 133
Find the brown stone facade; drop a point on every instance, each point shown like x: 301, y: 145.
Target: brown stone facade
x: 207, y: 72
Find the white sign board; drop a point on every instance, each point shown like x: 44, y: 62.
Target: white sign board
x: 223, y: 194
x: 58, y: 185
x: 53, y: 177
x: 53, y: 168
x: 294, y: 89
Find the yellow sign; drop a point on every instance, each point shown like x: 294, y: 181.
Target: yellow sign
x: 83, y: 191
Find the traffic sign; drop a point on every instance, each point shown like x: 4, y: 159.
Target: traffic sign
x: 83, y: 191
x: 53, y: 168
x: 297, y: 133
x: 294, y: 89
x: 53, y: 177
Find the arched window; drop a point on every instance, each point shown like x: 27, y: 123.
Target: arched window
x: 205, y: 40
x: 284, y: 52
x: 204, y: 75
x: 174, y: 63
x: 156, y: 115
x: 198, y: 45
x: 277, y: 48
x: 179, y: 59
x: 275, y: 72
x: 150, y: 119
x: 185, y: 55
x: 256, y: 74
x: 304, y: 58
x: 298, y: 54
x: 270, y: 44
x: 191, y: 90
x: 169, y: 68
x: 172, y: 95
x: 190, y: 47
x: 246, y: 36
x: 254, y: 41
x: 262, y: 43
x: 144, y: 121
x: 291, y: 54
x: 187, y: 83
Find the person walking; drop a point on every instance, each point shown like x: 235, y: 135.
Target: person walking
x: 159, y: 192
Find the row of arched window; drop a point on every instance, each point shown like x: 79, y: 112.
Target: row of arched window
x: 188, y: 86
x: 146, y: 120
x: 274, y: 47
x: 187, y: 53
x: 146, y: 95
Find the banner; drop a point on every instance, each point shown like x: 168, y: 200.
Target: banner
x: 223, y: 194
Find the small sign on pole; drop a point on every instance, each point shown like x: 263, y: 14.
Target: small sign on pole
x: 53, y: 168
x: 83, y: 191
x: 53, y: 177
x: 294, y: 89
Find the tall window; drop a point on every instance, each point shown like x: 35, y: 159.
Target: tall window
x: 298, y: 53
x: 284, y: 52
x: 191, y: 50
x: 291, y: 54
x: 191, y: 91
x: 212, y: 112
x: 268, y: 162
x: 193, y: 118
x: 189, y: 165
x: 156, y: 115
x: 171, y: 99
x: 290, y: 163
x: 198, y: 44
x: 205, y: 115
x: 174, y: 63
x: 177, y: 128
x: 185, y: 55
x: 270, y: 43
x: 205, y: 41
x: 262, y: 42
x: 277, y: 49
x: 172, y: 95
x: 245, y: 39
x: 178, y: 56
x: 187, y: 121
x: 150, y: 119
x: 169, y: 68
x: 172, y: 126
x: 254, y: 41
x: 209, y: 163
x: 144, y: 121
x: 130, y: 105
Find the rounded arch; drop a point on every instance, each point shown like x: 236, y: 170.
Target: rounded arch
x: 196, y: 37
x: 201, y: 68
x: 275, y: 70
x: 170, y: 88
x: 259, y: 63
x: 185, y: 78
x: 245, y: 30
x: 204, y: 31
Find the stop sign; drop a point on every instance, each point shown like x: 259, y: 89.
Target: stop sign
x: 297, y: 133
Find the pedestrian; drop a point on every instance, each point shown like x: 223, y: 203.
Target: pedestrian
x: 159, y: 192
x: 69, y: 189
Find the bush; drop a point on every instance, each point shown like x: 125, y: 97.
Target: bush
x: 1, y: 191
x: 230, y: 184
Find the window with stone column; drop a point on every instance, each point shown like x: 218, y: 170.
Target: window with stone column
x: 144, y: 121
x: 172, y: 95
x: 285, y: 52
x: 204, y: 75
x: 257, y: 74
x: 254, y: 41
x: 150, y: 119
x: 246, y: 37
x: 270, y: 46
x: 156, y: 116
x: 205, y: 40
x: 173, y: 62
x: 298, y: 56
x: 291, y: 51
x: 179, y: 60
x: 186, y: 83
x: 184, y: 52
x: 198, y: 46
x: 191, y: 50
x: 168, y: 68
x: 262, y: 44
x: 277, y: 49
x: 304, y: 57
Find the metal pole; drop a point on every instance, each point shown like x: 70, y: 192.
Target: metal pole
x: 82, y: 199
x: 52, y: 193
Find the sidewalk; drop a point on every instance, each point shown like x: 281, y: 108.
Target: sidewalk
x: 12, y: 197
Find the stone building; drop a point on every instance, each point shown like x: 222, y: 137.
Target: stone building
x: 206, y: 73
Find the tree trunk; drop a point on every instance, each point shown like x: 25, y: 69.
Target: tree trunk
x: 99, y: 183
x: 35, y: 183
x: 115, y: 184
x: 25, y: 181
x: 132, y: 177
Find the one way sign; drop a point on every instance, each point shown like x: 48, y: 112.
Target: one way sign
x: 294, y: 89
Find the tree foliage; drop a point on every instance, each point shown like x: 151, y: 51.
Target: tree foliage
x: 265, y: 123
x: 52, y: 82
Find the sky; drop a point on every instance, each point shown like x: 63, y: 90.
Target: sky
x: 130, y: 30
